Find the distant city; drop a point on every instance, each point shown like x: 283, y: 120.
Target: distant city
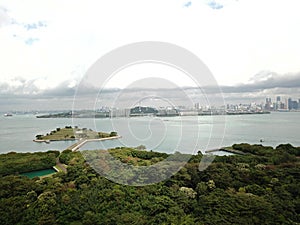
x: 278, y: 104
x: 282, y: 104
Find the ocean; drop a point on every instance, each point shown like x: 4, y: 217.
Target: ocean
x: 187, y: 134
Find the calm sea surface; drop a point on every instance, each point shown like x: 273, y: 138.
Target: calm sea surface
x: 168, y: 134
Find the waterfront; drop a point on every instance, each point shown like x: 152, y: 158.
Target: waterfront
x: 166, y: 134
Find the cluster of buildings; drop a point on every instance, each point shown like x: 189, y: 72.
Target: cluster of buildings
x: 245, y: 108
x: 197, y: 110
x: 282, y: 104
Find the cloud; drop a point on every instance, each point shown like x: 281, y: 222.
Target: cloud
x: 266, y: 80
x: 18, y: 28
x: 232, y: 42
x: 4, y: 17
x: 35, y: 88
x: 262, y: 81
x: 40, y: 94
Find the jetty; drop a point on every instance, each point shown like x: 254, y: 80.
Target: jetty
x: 82, y: 142
x: 227, y: 149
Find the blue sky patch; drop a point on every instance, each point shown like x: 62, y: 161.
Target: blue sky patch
x: 32, y: 26
x: 215, y: 5
x: 188, y: 4
x: 30, y: 41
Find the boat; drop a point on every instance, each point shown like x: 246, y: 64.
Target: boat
x: 47, y: 141
x: 7, y: 114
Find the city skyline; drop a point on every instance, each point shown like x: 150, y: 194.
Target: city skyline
x: 275, y: 103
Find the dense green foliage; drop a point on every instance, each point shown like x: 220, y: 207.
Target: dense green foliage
x: 258, y: 188
x: 137, y: 157
x: 15, y: 163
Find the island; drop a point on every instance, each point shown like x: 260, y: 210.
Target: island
x: 68, y: 133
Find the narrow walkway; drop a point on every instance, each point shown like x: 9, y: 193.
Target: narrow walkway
x: 60, y: 165
x: 230, y: 150
x: 82, y: 142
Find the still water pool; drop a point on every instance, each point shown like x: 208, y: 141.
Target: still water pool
x: 38, y: 173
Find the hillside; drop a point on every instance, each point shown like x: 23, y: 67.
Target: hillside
x: 257, y: 188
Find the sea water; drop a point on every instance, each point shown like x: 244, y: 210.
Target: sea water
x: 166, y: 134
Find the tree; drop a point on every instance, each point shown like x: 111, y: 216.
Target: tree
x: 39, y: 137
x: 113, y: 134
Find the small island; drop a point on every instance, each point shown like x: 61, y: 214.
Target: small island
x: 83, y: 135
x: 68, y: 133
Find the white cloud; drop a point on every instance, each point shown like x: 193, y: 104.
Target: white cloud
x: 239, y: 40
x: 4, y: 17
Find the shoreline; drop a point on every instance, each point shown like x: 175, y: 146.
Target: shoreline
x: 49, y: 140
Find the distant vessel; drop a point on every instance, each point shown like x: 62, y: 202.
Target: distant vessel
x: 7, y: 114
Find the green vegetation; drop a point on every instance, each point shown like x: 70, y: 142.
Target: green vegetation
x: 137, y: 157
x: 15, y: 163
x: 106, y: 135
x: 262, y: 187
x: 69, y: 133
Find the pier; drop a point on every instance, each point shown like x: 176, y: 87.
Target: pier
x: 82, y: 142
x: 226, y: 149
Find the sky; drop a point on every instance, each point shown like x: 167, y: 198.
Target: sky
x: 46, y: 47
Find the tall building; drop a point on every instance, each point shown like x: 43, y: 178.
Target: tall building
x: 292, y: 105
x: 289, y: 103
x: 278, y: 99
x: 278, y: 105
x: 268, y: 105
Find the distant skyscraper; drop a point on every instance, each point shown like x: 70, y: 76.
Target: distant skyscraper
x: 268, y: 105
x: 293, y: 105
x: 289, y: 103
x: 278, y: 99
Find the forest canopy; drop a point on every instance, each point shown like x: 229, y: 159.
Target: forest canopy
x: 262, y: 187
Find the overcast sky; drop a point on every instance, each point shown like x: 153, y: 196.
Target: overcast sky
x: 250, y: 46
